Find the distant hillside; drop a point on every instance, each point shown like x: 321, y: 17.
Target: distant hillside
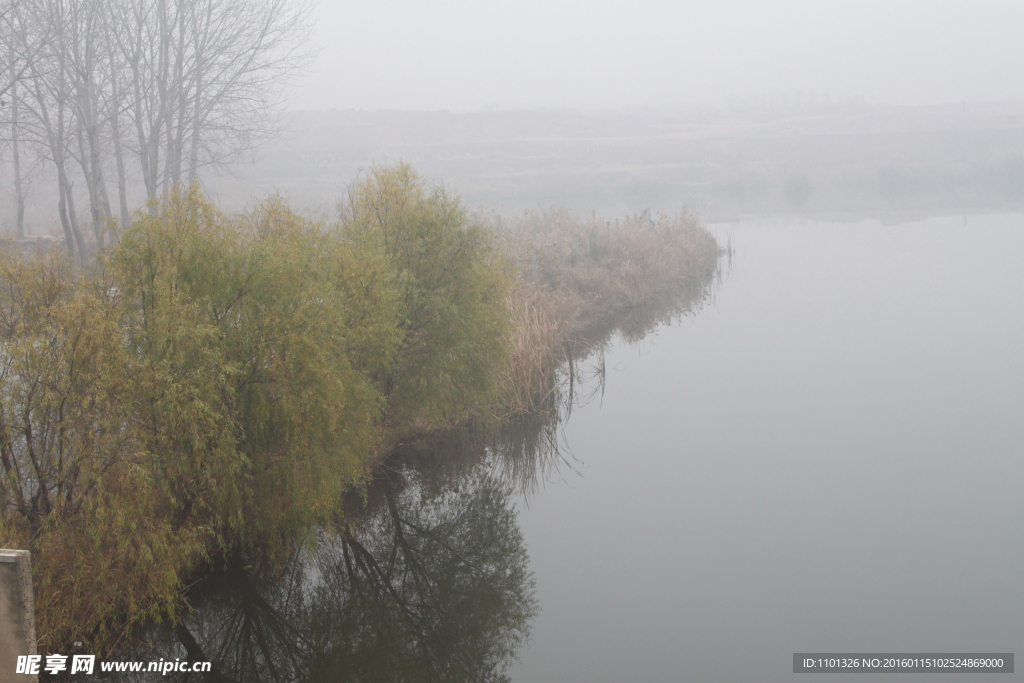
x: 844, y: 161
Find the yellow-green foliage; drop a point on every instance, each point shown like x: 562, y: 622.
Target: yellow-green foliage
x: 241, y: 327
x: 216, y: 383
x: 452, y: 288
x: 208, y: 386
x: 78, y: 487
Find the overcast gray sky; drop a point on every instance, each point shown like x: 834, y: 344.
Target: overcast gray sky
x: 465, y: 55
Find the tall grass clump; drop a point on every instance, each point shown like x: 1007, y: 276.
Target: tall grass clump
x: 576, y: 273
x: 528, y: 377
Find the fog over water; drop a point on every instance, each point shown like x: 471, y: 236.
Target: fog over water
x: 822, y: 456
x: 890, y: 110
x: 826, y: 459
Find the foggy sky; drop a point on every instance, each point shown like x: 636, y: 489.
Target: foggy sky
x: 467, y: 55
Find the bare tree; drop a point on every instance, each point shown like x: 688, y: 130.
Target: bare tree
x: 20, y: 54
x: 241, y: 73
x: 20, y: 48
x: 208, y: 76
x: 161, y: 89
x: 85, y: 40
x: 50, y: 104
x: 12, y: 75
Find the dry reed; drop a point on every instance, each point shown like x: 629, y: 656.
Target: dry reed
x: 576, y: 273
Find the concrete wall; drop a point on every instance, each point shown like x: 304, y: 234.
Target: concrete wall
x: 17, y: 613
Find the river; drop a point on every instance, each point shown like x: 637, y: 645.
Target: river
x: 827, y: 458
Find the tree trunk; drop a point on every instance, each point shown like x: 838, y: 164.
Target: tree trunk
x: 62, y: 209
x: 83, y: 255
x: 179, y: 91
x: 102, y: 213
x: 193, y: 155
x: 147, y: 176
x: 122, y: 183
x: 19, y: 191
x: 164, y: 117
x: 85, y: 161
x: 115, y: 132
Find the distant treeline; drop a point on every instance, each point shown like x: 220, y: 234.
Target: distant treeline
x: 831, y: 162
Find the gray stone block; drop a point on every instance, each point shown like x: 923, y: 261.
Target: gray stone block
x: 17, y: 613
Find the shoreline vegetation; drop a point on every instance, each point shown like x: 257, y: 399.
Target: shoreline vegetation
x: 430, y: 546
x: 217, y: 386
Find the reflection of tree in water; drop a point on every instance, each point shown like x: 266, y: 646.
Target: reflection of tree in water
x: 251, y: 629
x: 432, y: 583
x: 437, y: 591
x: 431, y: 586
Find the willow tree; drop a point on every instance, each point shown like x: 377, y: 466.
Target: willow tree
x: 193, y: 394
x: 452, y: 288
x: 78, y: 486
x: 215, y: 384
x: 254, y: 319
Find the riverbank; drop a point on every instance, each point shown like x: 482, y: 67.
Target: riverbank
x: 216, y: 385
x: 577, y: 274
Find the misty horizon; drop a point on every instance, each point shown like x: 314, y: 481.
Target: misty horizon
x: 465, y: 57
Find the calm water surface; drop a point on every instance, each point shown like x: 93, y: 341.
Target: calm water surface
x: 828, y: 457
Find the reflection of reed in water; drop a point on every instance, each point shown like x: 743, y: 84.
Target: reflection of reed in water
x: 530, y: 449
x: 604, y: 275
